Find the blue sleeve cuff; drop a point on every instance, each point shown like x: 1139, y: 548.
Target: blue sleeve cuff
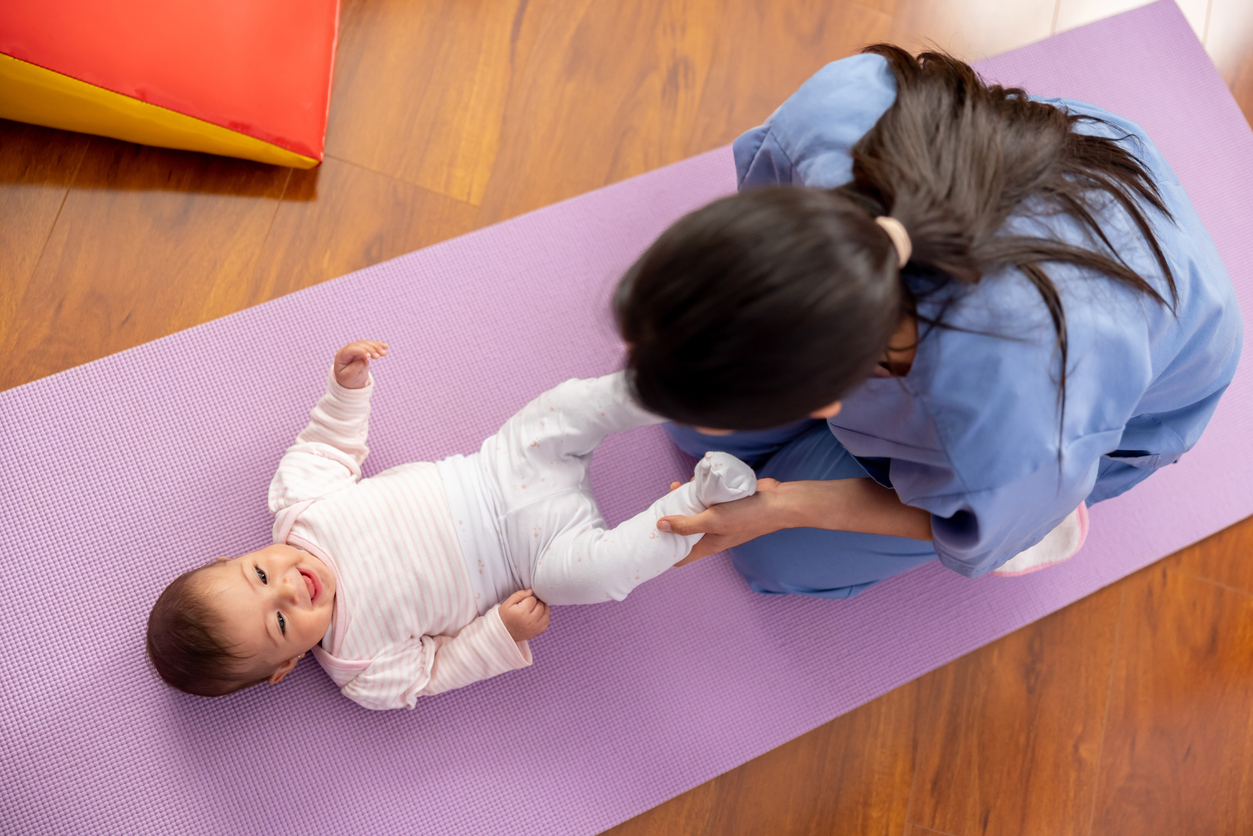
x: 760, y: 161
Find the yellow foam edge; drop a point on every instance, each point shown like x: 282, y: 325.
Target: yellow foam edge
x: 32, y: 94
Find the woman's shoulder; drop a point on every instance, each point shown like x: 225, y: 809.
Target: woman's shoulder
x: 808, y: 139
x: 990, y: 376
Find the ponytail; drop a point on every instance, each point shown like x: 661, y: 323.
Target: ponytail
x: 953, y: 158
x: 763, y: 307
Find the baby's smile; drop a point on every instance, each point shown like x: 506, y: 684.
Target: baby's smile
x: 277, y: 603
x: 311, y: 581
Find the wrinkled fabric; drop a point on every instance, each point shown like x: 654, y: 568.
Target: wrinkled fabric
x: 976, y: 432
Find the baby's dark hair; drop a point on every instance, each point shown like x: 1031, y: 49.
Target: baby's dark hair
x: 185, y: 643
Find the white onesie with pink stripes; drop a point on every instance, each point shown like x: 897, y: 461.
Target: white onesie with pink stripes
x: 423, y: 553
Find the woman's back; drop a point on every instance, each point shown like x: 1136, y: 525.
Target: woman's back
x: 973, y: 432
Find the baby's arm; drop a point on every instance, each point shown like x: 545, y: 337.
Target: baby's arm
x: 484, y: 648
x: 341, y: 417
x: 433, y: 664
x: 329, y: 451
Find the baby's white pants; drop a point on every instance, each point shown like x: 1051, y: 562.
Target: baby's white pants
x: 533, y: 476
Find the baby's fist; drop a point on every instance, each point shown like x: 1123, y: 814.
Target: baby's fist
x: 524, y: 615
x: 352, y: 362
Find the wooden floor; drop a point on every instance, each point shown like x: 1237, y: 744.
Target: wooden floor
x: 1130, y: 712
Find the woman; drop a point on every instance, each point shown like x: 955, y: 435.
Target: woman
x: 981, y: 313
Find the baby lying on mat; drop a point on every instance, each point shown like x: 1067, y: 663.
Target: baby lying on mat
x: 427, y: 576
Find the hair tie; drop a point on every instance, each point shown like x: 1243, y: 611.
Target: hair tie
x: 900, y: 238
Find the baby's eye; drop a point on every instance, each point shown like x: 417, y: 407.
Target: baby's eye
x: 282, y: 624
x: 260, y: 573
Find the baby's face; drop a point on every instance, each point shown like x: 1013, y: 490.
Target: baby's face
x: 276, y: 603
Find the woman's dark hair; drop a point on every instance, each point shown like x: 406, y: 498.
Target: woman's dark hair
x: 765, y: 306
x: 185, y: 645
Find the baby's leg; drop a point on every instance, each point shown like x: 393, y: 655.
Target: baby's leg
x: 547, y: 446
x: 588, y: 564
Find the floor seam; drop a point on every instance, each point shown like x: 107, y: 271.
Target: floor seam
x: 401, y: 180
x: 1204, y: 579
x: 269, y: 230
x: 931, y: 830
x: 1109, y: 698
x: 57, y: 217
x: 913, y: 781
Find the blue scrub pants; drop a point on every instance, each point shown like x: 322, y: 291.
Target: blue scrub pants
x: 806, y: 561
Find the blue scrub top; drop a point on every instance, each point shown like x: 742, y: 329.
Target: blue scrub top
x: 971, y: 434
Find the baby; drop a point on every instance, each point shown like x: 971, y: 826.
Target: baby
x: 427, y: 576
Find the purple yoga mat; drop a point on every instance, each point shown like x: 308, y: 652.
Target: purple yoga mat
x: 125, y: 471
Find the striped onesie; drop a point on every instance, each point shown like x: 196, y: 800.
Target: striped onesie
x: 423, y: 553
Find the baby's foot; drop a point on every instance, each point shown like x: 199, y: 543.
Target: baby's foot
x: 721, y: 477
x: 1062, y: 543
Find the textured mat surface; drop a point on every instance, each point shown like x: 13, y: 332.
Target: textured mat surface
x: 123, y: 472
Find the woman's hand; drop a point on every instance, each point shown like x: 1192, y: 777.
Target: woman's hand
x: 731, y: 523
x: 835, y: 505
x: 352, y: 362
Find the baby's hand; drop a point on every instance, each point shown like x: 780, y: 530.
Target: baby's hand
x: 352, y: 362
x: 525, y: 616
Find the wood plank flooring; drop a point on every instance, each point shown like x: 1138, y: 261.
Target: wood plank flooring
x: 1130, y: 712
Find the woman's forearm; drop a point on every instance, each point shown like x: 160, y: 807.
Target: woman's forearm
x: 851, y: 505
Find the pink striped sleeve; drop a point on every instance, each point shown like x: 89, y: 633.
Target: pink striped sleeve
x: 328, y: 452
x: 482, y: 649
x: 434, y: 664
x: 340, y: 419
